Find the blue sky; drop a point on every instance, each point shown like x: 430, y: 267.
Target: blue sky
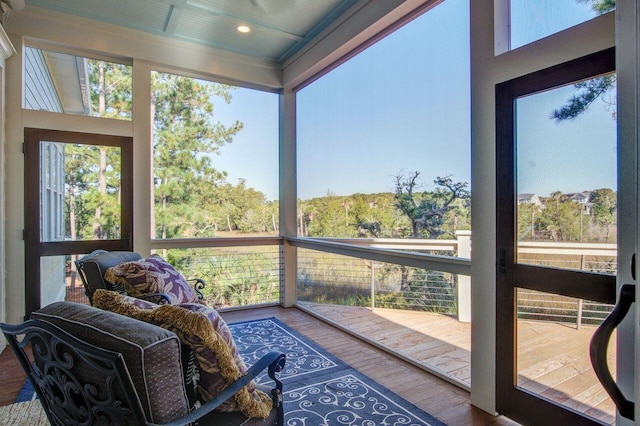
x: 403, y: 106
x: 253, y: 154
x: 571, y: 156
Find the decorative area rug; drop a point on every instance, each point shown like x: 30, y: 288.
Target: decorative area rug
x: 319, y: 389
x: 27, y: 393
x: 25, y: 413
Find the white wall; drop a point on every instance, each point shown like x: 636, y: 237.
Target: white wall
x: 488, y: 69
x: 6, y: 50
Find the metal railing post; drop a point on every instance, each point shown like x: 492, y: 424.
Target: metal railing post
x: 373, y: 285
x: 579, y: 315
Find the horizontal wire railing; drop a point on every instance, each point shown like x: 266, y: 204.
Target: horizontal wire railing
x: 245, y: 273
x: 239, y: 276
x: 337, y: 279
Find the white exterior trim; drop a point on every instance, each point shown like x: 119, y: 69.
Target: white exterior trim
x: 6, y: 50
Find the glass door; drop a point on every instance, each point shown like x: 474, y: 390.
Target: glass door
x: 78, y: 198
x: 557, y: 240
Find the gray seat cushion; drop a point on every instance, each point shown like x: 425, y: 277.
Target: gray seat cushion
x: 151, y: 353
x: 93, y: 266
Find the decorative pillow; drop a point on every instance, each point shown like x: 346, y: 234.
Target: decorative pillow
x: 202, y: 330
x: 152, y: 275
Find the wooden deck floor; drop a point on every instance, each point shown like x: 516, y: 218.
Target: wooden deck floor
x: 553, y: 359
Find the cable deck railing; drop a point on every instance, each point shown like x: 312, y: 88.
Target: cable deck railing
x: 337, y: 271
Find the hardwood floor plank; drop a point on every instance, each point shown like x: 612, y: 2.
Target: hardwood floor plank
x: 12, y: 377
x: 552, y: 357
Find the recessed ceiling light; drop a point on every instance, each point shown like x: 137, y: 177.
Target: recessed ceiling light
x: 243, y: 28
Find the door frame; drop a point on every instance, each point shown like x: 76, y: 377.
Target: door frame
x: 34, y: 248
x: 511, y: 401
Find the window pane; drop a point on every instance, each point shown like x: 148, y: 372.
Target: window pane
x: 567, y: 176
x: 58, y: 82
x: 215, y: 159
x: 79, y: 192
x: 532, y: 20
x: 384, y: 139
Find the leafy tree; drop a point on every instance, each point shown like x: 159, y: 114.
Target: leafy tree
x: 356, y: 215
x: 528, y: 221
x: 375, y: 216
x: 587, y: 92
x: 603, y: 208
x: 111, y: 87
x: 93, y: 172
x: 560, y: 219
x: 427, y: 210
x: 185, y: 137
x: 332, y: 219
x: 590, y: 90
x: 600, y: 6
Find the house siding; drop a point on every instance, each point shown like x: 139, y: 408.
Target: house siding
x: 39, y: 92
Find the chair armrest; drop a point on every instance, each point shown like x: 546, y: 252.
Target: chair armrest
x: 274, y: 360
x: 158, y: 298
x: 198, y: 285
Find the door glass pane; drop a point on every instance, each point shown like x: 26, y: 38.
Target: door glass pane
x: 566, y: 177
x: 79, y: 192
x: 553, y: 351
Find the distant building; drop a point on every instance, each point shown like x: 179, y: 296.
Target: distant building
x: 581, y: 198
x: 529, y: 199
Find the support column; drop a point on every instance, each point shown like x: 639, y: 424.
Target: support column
x: 143, y: 158
x: 6, y: 50
x: 288, y: 195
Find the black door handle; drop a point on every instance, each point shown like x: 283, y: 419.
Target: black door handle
x: 598, y: 350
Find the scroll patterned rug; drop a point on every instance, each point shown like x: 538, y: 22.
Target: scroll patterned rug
x: 319, y: 389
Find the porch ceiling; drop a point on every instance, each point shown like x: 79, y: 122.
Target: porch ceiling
x: 279, y: 28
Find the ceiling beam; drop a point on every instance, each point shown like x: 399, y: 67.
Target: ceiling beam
x: 175, y: 13
x: 241, y: 21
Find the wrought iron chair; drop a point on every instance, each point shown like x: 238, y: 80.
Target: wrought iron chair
x: 93, y: 266
x: 123, y: 372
